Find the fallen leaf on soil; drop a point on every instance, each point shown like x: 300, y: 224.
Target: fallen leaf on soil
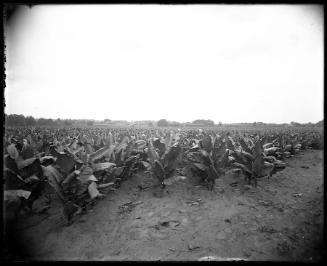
x: 128, y: 207
x: 191, y: 247
x: 213, y: 258
x: 267, y: 229
x: 169, y: 223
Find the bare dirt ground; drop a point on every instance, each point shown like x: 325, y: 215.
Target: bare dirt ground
x: 281, y: 219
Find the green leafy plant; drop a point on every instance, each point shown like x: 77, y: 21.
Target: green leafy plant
x: 163, y: 158
x: 250, y: 159
x: 208, y: 159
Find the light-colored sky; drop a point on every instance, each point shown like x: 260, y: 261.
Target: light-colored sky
x: 229, y: 63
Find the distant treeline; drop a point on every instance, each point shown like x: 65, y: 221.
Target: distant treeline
x: 21, y: 120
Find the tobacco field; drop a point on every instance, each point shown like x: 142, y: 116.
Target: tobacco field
x: 163, y: 194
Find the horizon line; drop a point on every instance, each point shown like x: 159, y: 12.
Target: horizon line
x: 182, y: 122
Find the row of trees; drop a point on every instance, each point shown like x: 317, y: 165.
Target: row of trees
x: 21, y: 120
x: 198, y: 122
x: 165, y: 123
x: 210, y: 123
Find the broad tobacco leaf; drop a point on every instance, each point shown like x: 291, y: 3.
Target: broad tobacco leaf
x: 29, y: 139
x: 193, y: 156
x: 230, y: 143
x: 258, y: 165
x: 257, y: 149
x: 85, y: 173
x: 243, y: 167
x: 123, y: 144
x: 244, y: 146
x: 267, y: 145
x: 206, y: 158
x: 168, y: 142
x: 219, y: 150
x: 110, y: 156
x: 270, y: 158
x: 99, y: 154
x: 117, y: 171
x: 206, y: 143
x: 140, y: 145
x: 132, y: 158
x: 152, y: 154
x: 65, y: 162
x: 88, y: 148
x: 248, y: 156
x: 146, y: 165
x: 271, y: 150
x: 21, y: 163
x: 158, y: 171
x: 223, y: 161
x: 240, y: 158
x: 109, y: 139
x: 200, y: 166
x: 279, y: 164
x: 160, y: 146
x: 102, y: 166
x: 171, y: 159
x: 118, y: 157
x: 194, y: 149
x: 129, y: 149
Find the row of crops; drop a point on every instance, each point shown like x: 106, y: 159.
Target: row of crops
x: 83, y: 164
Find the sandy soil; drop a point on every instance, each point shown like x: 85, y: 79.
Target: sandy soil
x: 269, y: 222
